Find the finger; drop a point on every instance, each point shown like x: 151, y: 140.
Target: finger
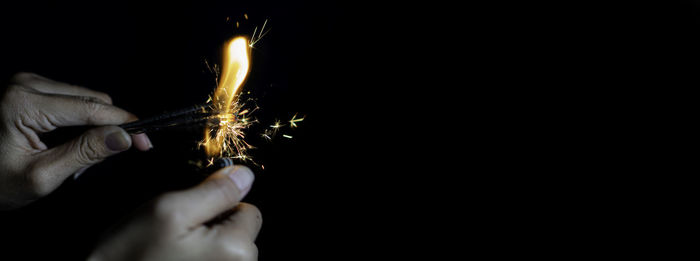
x: 53, y: 166
x: 141, y: 142
x: 46, y: 85
x: 246, y: 220
x: 220, y: 192
x: 62, y: 110
x: 80, y: 172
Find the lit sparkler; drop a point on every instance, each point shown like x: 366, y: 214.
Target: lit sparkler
x: 227, y: 139
x: 226, y: 117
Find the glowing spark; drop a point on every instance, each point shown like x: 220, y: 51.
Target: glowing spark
x: 277, y: 125
x: 267, y: 135
x: 275, y: 128
x: 210, y: 162
x: 286, y: 136
x: 294, y: 120
x: 254, y: 39
x: 227, y: 138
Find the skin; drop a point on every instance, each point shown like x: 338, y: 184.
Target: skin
x: 32, y: 105
x: 176, y: 226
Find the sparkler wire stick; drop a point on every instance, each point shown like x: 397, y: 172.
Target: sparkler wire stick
x: 188, y: 116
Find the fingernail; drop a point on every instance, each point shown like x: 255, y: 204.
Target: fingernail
x: 243, y: 178
x: 150, y: 145
x: 117, y: 141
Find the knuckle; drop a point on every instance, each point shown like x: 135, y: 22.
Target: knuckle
x: 15, y: 94
x: 9, y: 98
x: 240, y: 250
x: 92, y: 107
x: 223, y: 186
x: 88, y: 152
x: 165, y: 210
x: 23, y: 77
x: 258, y: 216
x: 90, y: 99
x: 105, y: 97
x: 13, y: 88
x: 92, y: 104
x: 249, y: 252
x: 36, y: 183
x: 253, y: 211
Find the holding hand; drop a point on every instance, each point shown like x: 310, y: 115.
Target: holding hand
x: 32, y: 105
x: 178, y: 225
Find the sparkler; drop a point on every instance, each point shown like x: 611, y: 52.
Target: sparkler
x: 225, y: 117
x: 226, y: 139
x: 188, y: 116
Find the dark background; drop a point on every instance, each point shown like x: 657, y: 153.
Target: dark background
x: 492, y: 115
x: 314, y: 191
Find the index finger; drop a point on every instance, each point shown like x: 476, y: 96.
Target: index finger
x: 66, y: 110
x: 46, y: 85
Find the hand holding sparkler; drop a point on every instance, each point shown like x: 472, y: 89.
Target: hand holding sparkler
x: 186, y: 224
x: 33, y: 105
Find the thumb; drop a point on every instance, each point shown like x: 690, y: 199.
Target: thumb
x: 55, y: 165
x: 220, y: 192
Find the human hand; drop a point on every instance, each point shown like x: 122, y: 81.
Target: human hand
x: 32, y: 105
x: 187, y: 225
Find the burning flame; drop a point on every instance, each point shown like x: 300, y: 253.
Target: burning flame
x: 228, y: 135
x: 235, y: 70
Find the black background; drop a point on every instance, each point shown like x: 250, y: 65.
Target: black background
x: 414, y: 113
x: 314, y: 191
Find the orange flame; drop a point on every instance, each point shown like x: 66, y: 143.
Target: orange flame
x: 225, y: 100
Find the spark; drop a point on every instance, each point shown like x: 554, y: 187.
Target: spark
x: 277, y: 125
x: 286, y: 136
x: 254, y: 39
x: 275, y: 128
x: 210, y: 162
x: 227, y: 138
x: 267, y: 135
x: 242, y: 157
x: 294, y: 120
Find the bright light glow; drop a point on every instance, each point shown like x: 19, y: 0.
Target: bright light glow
x: 227, y: 138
